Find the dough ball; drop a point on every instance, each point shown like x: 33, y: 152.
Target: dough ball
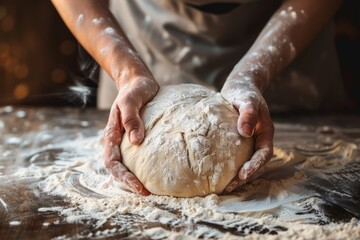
x: 191, y: 146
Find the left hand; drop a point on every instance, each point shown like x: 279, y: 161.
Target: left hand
x: 254, y: 121
x: 124, y: 119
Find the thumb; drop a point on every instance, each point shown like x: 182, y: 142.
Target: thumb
x: 248, y: 118
x: 133, y: 124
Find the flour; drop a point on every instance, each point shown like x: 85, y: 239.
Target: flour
x: 98, y: 21
x: 293, y: 14
x: 15, y: 223
x: 276, y: 203
x: 46, y: 224
x: 272, y: 49
x: 80, y: 19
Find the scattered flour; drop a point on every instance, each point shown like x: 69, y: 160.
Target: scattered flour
x: 80, y: 19
x: 46, y: 224
x: 109, y: 31
x: 276, y: 204
x: 15, y: 223
x: 98, y: 21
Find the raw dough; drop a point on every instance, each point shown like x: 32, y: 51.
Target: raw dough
x: 192, y: 147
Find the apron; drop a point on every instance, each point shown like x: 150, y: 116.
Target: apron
x: 185, y: 42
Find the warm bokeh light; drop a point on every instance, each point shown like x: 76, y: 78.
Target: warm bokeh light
x: 58, y: 75
x: 37, y: 54
x: 37, y: 48
x: 21, y: 91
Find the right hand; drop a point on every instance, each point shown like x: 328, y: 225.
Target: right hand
x: 254, y: 122
x: 124, y: 117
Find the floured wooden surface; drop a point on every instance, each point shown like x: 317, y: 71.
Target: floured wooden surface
x: 53, y: 185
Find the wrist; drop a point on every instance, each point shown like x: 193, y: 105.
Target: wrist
x: 244, y: 81
x: 125, y: 66
x: 132, y: 75
x: 240, y: 90
x: 251, y: 71
x: 144, y: 87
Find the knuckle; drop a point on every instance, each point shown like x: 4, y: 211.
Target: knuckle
x: 124, y: 178
x: 109, y: 165
x: 247, y: 104
x: 252, y: 98
x: 111, y: 136
x: 250, y: 110
x: 112, y: 148
x: 131, y: 121
x: 250, y: 116
x: 127, y: 98
x: 123, y: 101
x: 115, y: 168
x: 129, y: 115
x: 107, y: 132
x: 110, y: 159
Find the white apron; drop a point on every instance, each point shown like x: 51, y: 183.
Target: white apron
x: 185, y: 42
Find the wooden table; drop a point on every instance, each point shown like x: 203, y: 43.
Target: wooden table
x: 24, y: 129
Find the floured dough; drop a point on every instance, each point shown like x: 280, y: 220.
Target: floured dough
x: 192, y: 147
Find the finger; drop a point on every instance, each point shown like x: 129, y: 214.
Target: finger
x: 112, y: 136
x: 263, y: 152
x: 250, y: 170
x: 130, y: 181
x: 248, y: 117
x: 263, y: 146
x: 234, y: 183
x: 256, y: 167
x: 132, y: 123
x: 112, y: 139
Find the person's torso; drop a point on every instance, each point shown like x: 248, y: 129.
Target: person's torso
x: 201, y: 41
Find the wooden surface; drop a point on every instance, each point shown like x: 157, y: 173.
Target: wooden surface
x: 23, y: 130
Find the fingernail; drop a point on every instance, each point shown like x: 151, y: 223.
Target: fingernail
x: 229, y: 189
x: 243, y: 175
x: 133, y: 186
x: 247, y: 130
x: 137, y: 187
x: 146, y: 192
x: 135, y: 136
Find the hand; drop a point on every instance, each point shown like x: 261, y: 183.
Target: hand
x: 254, y: 121
x: 124, y: 117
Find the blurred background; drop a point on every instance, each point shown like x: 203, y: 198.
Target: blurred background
x: 39, y: 56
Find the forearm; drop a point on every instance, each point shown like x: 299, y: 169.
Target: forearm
x: 94, y: 26
x: 287, y: 33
